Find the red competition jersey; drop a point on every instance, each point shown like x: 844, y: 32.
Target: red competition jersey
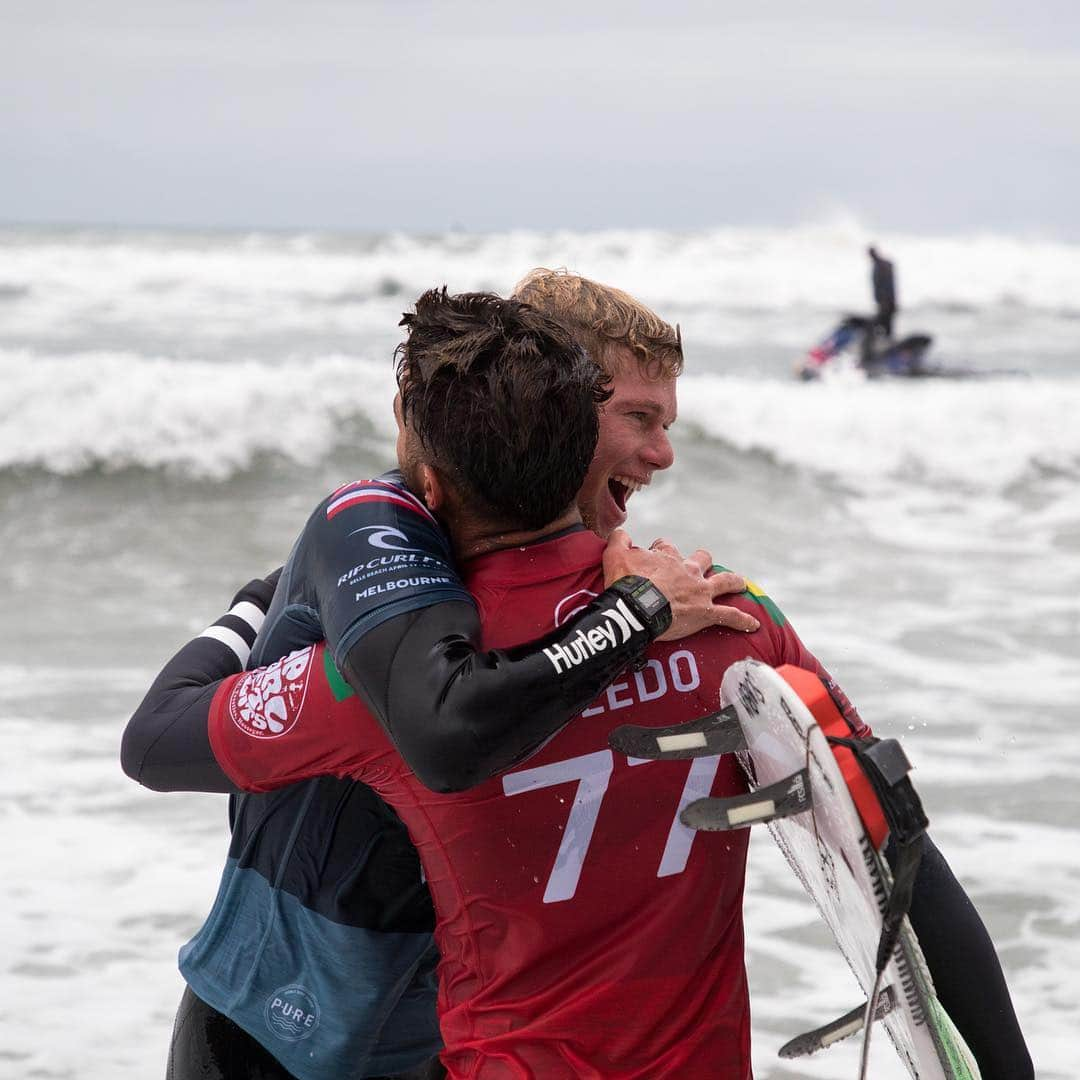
x: 584, y: 931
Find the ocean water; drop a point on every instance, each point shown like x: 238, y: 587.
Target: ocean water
x: 173, y: 404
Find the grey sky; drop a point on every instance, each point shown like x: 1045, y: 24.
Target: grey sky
x: 944, y: 116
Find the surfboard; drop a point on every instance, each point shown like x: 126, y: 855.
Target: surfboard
x: 807, y: 792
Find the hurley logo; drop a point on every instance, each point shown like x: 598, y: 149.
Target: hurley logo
x: 616, y: 629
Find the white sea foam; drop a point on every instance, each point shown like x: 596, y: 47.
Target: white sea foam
x: 723, y: 281
x: 978, y: 436
x: 111, y: 411
x: 952, y: 469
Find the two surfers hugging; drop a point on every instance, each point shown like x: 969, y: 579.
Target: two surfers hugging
x: 437, y: 866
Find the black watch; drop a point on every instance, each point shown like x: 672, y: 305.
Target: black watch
x: 647, y: 602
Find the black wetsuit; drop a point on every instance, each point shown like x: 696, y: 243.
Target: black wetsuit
x: 883, y: 279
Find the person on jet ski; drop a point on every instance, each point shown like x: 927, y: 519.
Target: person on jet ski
x: 883, y: 280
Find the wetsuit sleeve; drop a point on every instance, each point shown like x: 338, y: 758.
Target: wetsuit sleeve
x: 965, y: 968
x: 370, y: 552
x: 165, y: 745
x: 424, y: 663
x: 459, y: 715
x: 373, y: 573
x: 298, y: 717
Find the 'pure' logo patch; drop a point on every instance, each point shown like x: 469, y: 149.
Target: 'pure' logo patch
x: 292, y: 1013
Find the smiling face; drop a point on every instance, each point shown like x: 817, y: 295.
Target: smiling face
x: 633, y: 444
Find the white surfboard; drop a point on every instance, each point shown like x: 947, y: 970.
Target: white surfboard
x: 848, y: 879
x: 798, y: 788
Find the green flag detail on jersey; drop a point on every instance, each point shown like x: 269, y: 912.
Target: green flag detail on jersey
x: 757, y: 594
x: 338, y: 686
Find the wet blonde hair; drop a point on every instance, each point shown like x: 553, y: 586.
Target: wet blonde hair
x: 605, y: 321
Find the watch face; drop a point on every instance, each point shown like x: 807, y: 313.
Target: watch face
x: 651, y: 599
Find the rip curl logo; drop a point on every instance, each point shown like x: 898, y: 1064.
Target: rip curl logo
x: 266, y: 704
x: 384, y: 537
x: 292, y: 1013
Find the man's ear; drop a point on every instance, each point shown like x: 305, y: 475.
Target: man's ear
x: 434, y: 490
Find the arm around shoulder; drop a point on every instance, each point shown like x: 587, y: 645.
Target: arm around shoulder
x: 166, y: 744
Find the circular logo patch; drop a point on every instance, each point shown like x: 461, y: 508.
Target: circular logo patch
x: 266, y: 703
x: 292, y: 1013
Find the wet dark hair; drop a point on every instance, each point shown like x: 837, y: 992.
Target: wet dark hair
x: 504, y: 401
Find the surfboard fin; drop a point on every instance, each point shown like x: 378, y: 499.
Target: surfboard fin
x: 849, y: 1024
x: 716, y: 733
x: 782, y: 799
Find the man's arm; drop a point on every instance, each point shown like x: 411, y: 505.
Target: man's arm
x: 459, y: 714
x: 965, y: 968
x: 373, y: 574
x: 959, y: 953
x: 165, y: 745
x: 425, y: 668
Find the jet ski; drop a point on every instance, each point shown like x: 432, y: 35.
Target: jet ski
x: 857, y: 338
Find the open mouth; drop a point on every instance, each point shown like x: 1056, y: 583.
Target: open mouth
x: 621, y: 488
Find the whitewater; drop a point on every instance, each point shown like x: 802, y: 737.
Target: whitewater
x: 173, y: 404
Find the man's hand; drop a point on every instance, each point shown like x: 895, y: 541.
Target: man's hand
x: 690, y: 587
x: 259, y: 591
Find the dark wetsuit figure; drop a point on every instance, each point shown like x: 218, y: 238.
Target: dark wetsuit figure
x: 883, y: 279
